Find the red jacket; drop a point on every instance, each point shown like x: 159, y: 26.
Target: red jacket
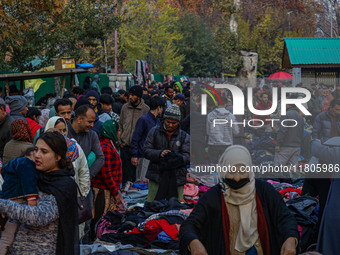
x: 260, y: 106
x: 33, y: 125
x: 110, y: 176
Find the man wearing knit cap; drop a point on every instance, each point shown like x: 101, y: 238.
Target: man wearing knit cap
x: 18, y: 106
x: 168, y: 149
x: 130, y: 113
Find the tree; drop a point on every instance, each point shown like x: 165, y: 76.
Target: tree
x: 148, y: 33
x: 202, y: 53
x: 50, y: 29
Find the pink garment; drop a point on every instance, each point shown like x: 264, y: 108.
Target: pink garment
x: 190, y: 190
x: 203, y: 188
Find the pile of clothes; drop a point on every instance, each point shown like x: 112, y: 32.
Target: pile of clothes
x: 156, y: 225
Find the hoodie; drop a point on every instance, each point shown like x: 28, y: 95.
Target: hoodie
x: 221, y: 134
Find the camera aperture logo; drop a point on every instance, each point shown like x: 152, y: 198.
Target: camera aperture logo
x: 239, y: 105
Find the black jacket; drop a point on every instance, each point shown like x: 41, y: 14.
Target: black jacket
x: 205, y: 221
x: 156, y: 142
x: 322, y: 127
x: 291, y: 136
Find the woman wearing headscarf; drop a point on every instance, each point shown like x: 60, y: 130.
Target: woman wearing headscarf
x: 74, y: 152
x: 240, y: 215
x: 87, y: 82
x: 21, y: 140
x: 106, y: 184
x: 51, y: 226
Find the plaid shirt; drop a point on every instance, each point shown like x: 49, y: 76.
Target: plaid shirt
x: 110, y: 176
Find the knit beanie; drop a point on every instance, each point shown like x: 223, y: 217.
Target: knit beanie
x: 82, y: 101
x: 16, y: 103
x: 92, y: 93
x: 173, y: 112
x: 136, y: 90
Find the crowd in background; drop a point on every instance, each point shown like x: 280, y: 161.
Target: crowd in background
x: 104, y: 139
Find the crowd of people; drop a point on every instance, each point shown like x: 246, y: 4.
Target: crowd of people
x: 93, y: 142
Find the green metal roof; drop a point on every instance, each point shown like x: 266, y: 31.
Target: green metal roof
x: 313, y: 51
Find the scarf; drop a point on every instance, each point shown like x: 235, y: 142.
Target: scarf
x: 244, y: 198
x: 51, y: 123
x: 72, y: 149
x: 60, y: 184
x: 21, y: 131
x: 109, y: 130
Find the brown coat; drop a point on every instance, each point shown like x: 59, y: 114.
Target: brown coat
x: 14, y: 149
x: 128, y: 119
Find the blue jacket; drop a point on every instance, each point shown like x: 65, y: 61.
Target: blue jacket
x: 322, y: 127
x: 20, y: 179
x: 143, y: 126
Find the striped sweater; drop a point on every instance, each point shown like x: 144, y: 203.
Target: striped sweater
x: 38, y: 225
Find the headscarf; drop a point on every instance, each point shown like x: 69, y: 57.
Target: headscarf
x: 244, y: 198
x: 21, y: 131
x: 44, y: 117
x: 72, y: 149
x: 109, y: 130
x: 51, y: 123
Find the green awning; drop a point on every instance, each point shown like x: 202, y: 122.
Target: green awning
x: 311, y: 51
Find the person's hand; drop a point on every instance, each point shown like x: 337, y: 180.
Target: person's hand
x: 289, y: 247
x: 197, y: 248
x: 134, y: 161
x: 165, y: 152
x: 32, y: 202
x: 118, y: 198
x: 277, y: 148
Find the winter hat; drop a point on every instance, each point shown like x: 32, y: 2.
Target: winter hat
x: 16, y: 103
x: 179, y: 97
x: 173, y: 113
x: 136, y: 90
x: 92, y: 93
x: 82, y: 101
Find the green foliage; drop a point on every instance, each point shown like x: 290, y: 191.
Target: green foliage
x: 50, y: 29
x: 148, y: 33
x: 202, y: 53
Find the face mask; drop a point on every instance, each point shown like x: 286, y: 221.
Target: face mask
x: 234, y: 184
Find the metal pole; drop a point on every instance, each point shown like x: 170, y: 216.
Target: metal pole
x: 289, y: 22
x: 116, y: 43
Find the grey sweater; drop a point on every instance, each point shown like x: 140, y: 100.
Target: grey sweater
x: 89, y: 142
x: 38, y: 225
x: 221, y: 134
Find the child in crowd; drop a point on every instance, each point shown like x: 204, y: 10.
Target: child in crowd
x: 20, y: 185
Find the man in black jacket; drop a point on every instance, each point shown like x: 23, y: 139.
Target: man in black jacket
x: 289, y: 139
x: 168, y: 149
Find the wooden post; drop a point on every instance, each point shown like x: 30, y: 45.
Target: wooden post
x: 63, y: 86
x: 71, y: 81
x: 7, y: 87
x: 21, y: 85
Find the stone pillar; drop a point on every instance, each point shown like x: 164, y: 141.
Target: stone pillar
x: 247, y: 74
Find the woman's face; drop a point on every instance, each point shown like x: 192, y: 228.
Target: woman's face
x: 61, y: 127
x: 45, y: 158
x: 238, y: 174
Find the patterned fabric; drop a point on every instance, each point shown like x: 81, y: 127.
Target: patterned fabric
x: 72, y: 149
x: 21, y: 131
x: 173, y: 112
x: 110, y: 176
x: 38, y: 225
